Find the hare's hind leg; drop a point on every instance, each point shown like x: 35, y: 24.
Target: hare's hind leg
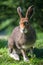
x: 14, y: 55
x: 12, y: 52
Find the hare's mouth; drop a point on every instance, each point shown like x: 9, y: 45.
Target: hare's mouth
x: 23, y: 30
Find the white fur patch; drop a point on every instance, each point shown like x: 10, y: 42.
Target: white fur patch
x: 25, y: 31
x: 14, y: 56
x: 21, y: 30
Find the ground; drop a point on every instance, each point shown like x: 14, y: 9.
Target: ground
x: 38, y: 52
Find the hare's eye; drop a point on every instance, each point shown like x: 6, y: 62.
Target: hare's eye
x: 26, y: 23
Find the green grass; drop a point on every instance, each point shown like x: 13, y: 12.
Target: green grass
x: 37, y: 60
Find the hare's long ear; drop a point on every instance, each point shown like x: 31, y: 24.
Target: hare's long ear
x: 29, y: 11
x: 19, y: 10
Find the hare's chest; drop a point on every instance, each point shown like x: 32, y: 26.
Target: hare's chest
x: 22, y: 39
x: 26, y: 41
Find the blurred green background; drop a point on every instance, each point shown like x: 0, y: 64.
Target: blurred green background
x: 9, y: 17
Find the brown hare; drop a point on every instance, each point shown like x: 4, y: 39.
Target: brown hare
x: 23, y: 36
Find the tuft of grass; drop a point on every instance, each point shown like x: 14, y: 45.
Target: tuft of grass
x: 5, y: 59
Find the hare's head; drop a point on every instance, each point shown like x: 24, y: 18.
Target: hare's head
x: 24, y: 21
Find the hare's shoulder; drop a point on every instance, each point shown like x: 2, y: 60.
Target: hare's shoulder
x: 15, y: 30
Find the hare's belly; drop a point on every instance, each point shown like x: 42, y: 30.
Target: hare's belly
x: 27, y: 46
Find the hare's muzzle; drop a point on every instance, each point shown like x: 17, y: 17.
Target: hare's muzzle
x: 23, y: 27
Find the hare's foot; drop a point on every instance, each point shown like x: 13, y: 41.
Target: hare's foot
x: 14, y: 55
x: 25, y: 58
x: 31, y: 52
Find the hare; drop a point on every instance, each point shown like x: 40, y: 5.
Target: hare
x: 23, y: 36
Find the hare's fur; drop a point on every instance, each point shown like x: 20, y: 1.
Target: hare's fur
x: 21, y: 41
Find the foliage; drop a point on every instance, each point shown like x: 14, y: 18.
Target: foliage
x: 9, y: 16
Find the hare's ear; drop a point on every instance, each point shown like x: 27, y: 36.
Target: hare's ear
x: 29, y: 11
x: 19, y: 10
